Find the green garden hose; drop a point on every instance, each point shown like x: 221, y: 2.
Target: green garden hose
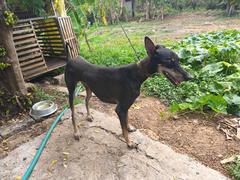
x: 44, y: 142
x: 40, y: 149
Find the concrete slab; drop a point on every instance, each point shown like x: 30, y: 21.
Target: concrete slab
x: 101, y: 153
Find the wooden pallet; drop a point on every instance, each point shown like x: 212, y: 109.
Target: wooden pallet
x: 69, y: 36
x: 29, y: 52
x: 40, y: 40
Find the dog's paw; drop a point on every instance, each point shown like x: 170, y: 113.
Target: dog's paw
x: 131, y: 128
x: 132, y: 145
x: 76, y: 136
x: 89, y: 118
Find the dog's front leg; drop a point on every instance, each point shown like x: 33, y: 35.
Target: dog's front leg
x: 122, y: 115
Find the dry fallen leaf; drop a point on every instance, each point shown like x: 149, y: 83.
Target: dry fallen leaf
x: 65, y: 158
x: 97, y: 131
x: 18, y: 177
x: 135, y: 106
x: 52, y: 165
x: 64, y: 164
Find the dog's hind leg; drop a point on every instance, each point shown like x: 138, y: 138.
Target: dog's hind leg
x: 71, y: 89
x: 87, y: 98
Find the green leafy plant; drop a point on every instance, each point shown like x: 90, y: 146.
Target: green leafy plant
x: 10, y: 18
x: 2, y: 64
x: 211, y: 58
x: 235, y: 169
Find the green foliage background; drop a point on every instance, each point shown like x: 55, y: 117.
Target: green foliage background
x: 211, y: 58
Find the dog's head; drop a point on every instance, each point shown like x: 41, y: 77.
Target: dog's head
x: 164, y: 60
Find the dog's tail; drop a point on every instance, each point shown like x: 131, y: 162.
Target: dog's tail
x: 68, y: 47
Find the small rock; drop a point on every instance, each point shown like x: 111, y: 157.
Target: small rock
x: 195, y: 121
x: 230, y: 159
x: 238, y: 133
x: 175, y: 117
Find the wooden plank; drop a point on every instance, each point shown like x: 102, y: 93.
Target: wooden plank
x: 31, y: 56
x: 65, y: 27
x: 42, y: 43
x: 29, y: 51
x: 31, y: 73
x: 23, y: 36
x: 52, y: 47
x: 26, y: 46
x: 44, y: 22
x: 45, y: 27
x: 25, y: 63
x: 36, y: 19
x: 75, y: 48
x: 68, y: 39
x: 35, y: 65
x: 50, y: 30
x: 50, y: 38
x: 53, y: 44
x: 52, y: 51
x: 62, y: 35
x: 25, y: 41
x: 21, y: 26
x: 62, y: 27
x: 59, y: 56
x: 69, y: 28
x: 51, y: 54
x: 22, y: 31
x: 48, y: 35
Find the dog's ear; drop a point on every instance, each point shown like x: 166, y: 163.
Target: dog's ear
x: 149, y: 46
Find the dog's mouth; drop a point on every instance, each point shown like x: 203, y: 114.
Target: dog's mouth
x: 172, y: 79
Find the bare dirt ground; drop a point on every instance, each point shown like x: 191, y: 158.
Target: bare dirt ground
x: 196, y: 135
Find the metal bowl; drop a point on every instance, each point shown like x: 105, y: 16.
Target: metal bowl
x: 42, y: 109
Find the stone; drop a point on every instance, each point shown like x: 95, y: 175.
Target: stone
x: 60, y: 80
x: 8, y: 130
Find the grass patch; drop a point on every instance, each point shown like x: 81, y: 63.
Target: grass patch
x: 235, y: 169
x: 212, y: 58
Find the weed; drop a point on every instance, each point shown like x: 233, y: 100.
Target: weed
x: 235, y: 169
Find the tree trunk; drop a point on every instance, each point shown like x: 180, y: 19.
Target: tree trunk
x: 162, y: 11
x: 194, y: 4
x: 133, y: 8
x: 12, y: 75
x: 112, y: 13
x: 230, y: 7
x: 148, y: 8
x: 123, y: 14
x: 231, y: 10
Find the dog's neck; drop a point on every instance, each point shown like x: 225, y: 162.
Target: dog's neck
x: 144, y: 69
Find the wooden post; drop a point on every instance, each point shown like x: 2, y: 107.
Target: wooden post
x: 13, y: 75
